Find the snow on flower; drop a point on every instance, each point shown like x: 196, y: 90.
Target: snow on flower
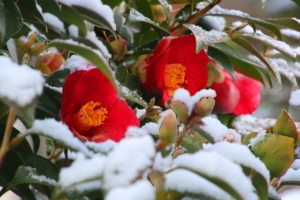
x: 128, y: 160
x: 91, y: 108
x: 174, y: 64
x: 19, y: 85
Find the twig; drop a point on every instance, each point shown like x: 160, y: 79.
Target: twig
x: 6, y: 138
x: 179, y: 139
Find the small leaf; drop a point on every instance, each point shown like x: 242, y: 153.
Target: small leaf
x: 291, y: 23
x: 132, y: 96
x: 30, y: 12
x: 86, y: 52
x: 135, y: 16
x: 111, y: 3
x: 29, y: 175
x: 285, y: 126
x: 204, y: 134
x: 222, y: 59
x: 10, y: 20
x: 206, y: 38
x: 276, y: 151
x: 183, y: 14
x: 247, y: 139
x: 143, y: 7
x: 259, y: 182
x: 191, y: 142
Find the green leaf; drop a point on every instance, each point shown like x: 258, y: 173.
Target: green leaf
x: 276, y: 151
x: 48, y: 106
x: 10, y: 20
x: 240, y: 62
x: 247, y: 139
x: 87, y: 53
x: 204, y: 134
x: 57, y: 79
x: 183, y: 14
x: 191, y: 142
x: 111, y: 3
x: 291, y: 23
x: 258, y: 181
x: 260, y: 22
x: 222, y: 59
x: 66, y: 14
x: 286, y: 126
x: 4, y: 109
x: 29, y: 11
x: 29, y: 175
x: 132, y: 96
x: 143, y: 7
x: 94, y: 18
x: 135, y: 16
x: 206, y: 38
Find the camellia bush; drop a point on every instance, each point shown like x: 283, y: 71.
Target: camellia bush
x: 144, y: 99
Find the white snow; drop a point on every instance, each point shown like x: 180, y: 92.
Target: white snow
x: 135, y: 15
x: 242, y: 155
x: 260, y: 137
x: 81, y: 170
x: 290, y: 33
x: 295, y: 98
x: 290, y: 175
x: 219, y: 131
x: 54, y: 22
x: 87, y: 186
x: 184, y: 96
x: 296, y: 164
x: 93, y: 38
x: 185, y: 181
x: 57, y: 89
x: 162, y: 164
x: 133, y: 131
x: 205, y: 38
x: 95, y: 6
x: 128, y: 160
x: 297, y: 152
x: 218, y: 10
x: 273, y: 192
x: 32, y: 174
x: 216, y: 166
x: 246, y: 29
x: 140, y: 112
x: 76, y: 62
x: 141, y: 190
x: 59, y: 132
x: 19, y: 84
x: 151, y: 128
x: 164, y: 114
x: 73, y: 30
x: 103, y: 147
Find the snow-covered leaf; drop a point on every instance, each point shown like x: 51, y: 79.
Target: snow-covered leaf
x: 59, y: 132
x: 30, y: 12
x: 132, y: 96
x: 205, y: 38
x: 291, y: 23
x: 207, y: 165
x: 128, y: 161
x: 135, y: 16
x: 286, y: 126
x: 93, y: 55
x: 291, y: 177
x: 29, y: 175
x: 191, y: 142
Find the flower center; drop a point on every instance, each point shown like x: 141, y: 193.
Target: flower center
x: 174, y: 77
x: 90, y: 115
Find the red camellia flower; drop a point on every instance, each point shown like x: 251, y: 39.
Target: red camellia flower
x: 174, y: 64
x: 242, y: 97
x: 91, y: 109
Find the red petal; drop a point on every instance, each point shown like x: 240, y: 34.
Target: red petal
x: 249, y: 95
x: 119, y: 118
x: 183, y: 51
x: 160, y: 48
x: 228, y: 95
x: 92, y: 86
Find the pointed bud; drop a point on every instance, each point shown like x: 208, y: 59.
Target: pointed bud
x: 205, y: 106
x: 138, y: 68
x: 159, y: 13
x: 215, y: 74
x: 37, y: 49
x: 31, y: 40
x: 169, y: 127
x: 181, y: 111
x: 49, y: 63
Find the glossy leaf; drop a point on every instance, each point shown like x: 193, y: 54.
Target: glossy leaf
x: 30, y: 12
x: 10, y: 20
x: 247, y: 139
x: 276, y: 151
x: 204, y: 134
x: 144, y: 8
x: 291, y: 23
x: 286, y: 126
x: 47, y: 106
x: 111, y: 3
x: 183, y: 14
x: 205, y: 38
x: 222, y: 59
x: 28, y: 175
x: 87, y: 53
x: 297, y: 2
x: 135, y: 16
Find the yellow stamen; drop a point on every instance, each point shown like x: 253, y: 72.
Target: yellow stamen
x: 90, y: 115
x: 174, y: 77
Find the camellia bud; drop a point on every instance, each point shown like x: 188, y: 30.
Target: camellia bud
x: 215, y: 74
x: 119, y: 48
x: 205, y: 106
x: 169, y: 127
x: 49, y: 63
x: 159, y: 13
x: 181, y: 110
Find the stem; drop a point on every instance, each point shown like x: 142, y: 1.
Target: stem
x: 179, y: 29
x: 181, y: 135
x: 5, y: 142
x: 274, y: 182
